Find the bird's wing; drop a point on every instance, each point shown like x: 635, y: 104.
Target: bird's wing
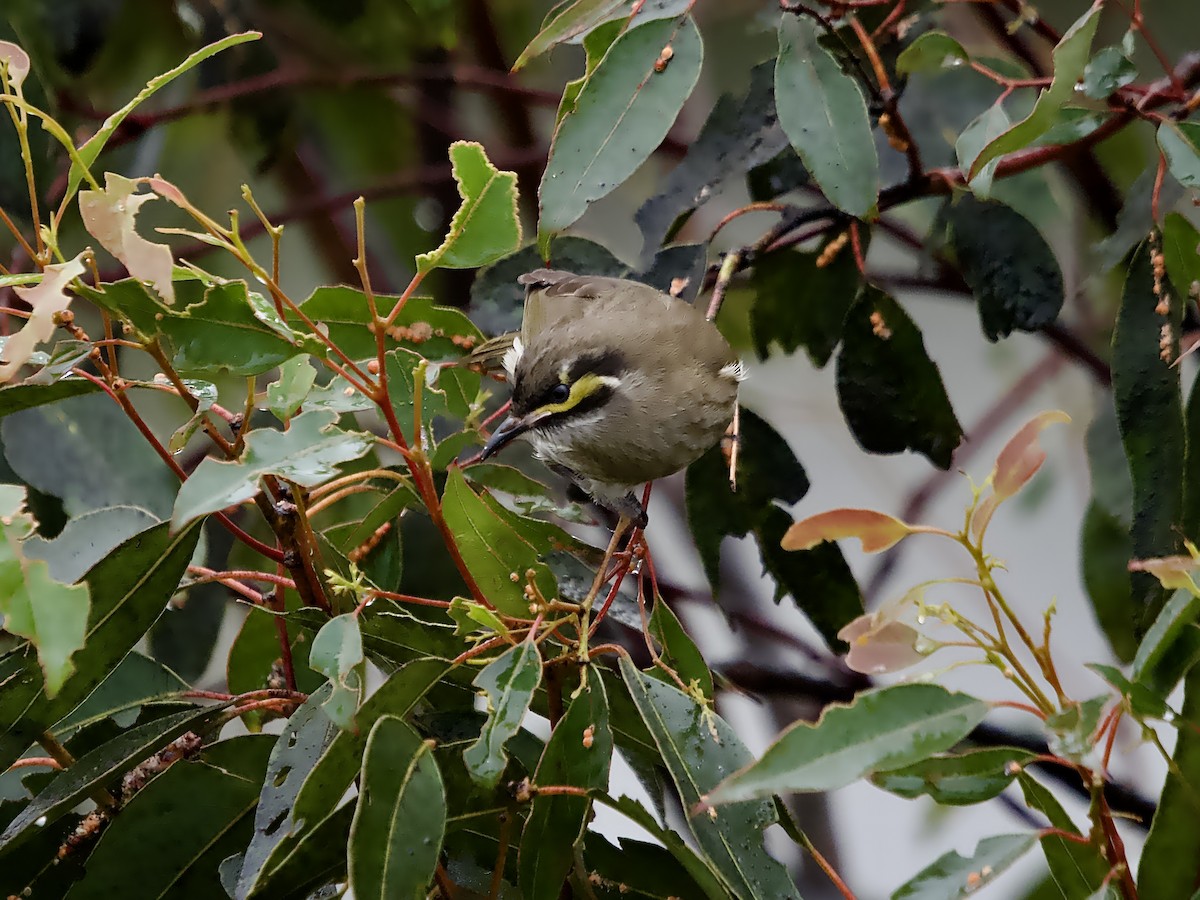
x: 489, y: 356
x: 552, y: 296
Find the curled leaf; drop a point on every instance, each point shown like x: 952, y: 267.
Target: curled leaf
x: 16, y: 61
x: 46, y: 300
x: 1018, y: 462
x: 877, y: 647
x: 109, y: 216
x: 1173, y: 572
x: 877, y: 531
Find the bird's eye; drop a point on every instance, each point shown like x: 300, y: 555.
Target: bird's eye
x: 560, y: 394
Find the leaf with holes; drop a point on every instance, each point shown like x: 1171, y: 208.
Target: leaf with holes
x: 110, y: 216
x: 621, y: 115
x: 952, y: 875
x: 307, y: 454
x: 486, y: 226
x: 824, y: 114
x: 337, y: 653
x: 509, y: 681
x: 46, y: 300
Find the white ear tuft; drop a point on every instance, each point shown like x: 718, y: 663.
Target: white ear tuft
x: 734, y: 371
x: 512, y: 357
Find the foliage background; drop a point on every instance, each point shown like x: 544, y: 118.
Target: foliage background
x: 363, y: 98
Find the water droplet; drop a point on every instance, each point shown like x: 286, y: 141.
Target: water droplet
x: 951, y: 62
x: 40, y: 821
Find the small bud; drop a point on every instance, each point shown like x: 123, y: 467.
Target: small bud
x: 660, y: 64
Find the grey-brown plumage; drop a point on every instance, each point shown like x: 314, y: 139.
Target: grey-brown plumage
x: 617, y: 382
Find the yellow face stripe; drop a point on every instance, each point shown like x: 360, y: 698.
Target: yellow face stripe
x: 582, y: 389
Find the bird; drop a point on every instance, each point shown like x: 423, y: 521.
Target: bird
x: 614, y: 383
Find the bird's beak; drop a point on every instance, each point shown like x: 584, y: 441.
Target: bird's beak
x: 510, y: 429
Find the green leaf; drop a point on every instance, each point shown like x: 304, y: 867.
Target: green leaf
x: 305, y: 735
x: 506, y: 479
x: 1180, y: 144
x: 137, y: 681
x: 129, y: 589
x: 824, y: 114
x: 957, y: 780
x: 1071, y: 728
x: 1180, y: 241
x: 211, y: 329
x: 496, y: 555
x: 622, y: 113
x: 882, y: 729
x: 1070, y: 58
x: 1171, y: 645
x: 1141, y: 701
x: 306, y: 454
x: 1105, y: 551
x: 51, y: 615
x: 509, y: 681
x: 90, y: 150
x: 890, y: 391
x: 99, y: 767
x: 296, y: 378
x: 487, y: 225
x: 1169, y: 866
x: 1077, y: 869
x: 577, y: 754
x: 1150, y: 415
x: 178, y: 855
x: 16, y: 397
x: 571, y: 20
x: 87, y: 539
x: 398, y: 825
x: 931, y: 52
x: 1008, y: 265
x: 643, y: 871
x: 698, y: 748
x: 678, y: 650
x: 739, y: 134
x: 798, y: 304
x: 1107, y: 72
x: 954, y: 876
x: 982, y: 130
x: 337, y: 653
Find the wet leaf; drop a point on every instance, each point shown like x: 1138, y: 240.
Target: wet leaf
x: 824, y: 114
x: 487, y: 225
x: 959, y: 780
x: 621, y: 115
x: 1070, y: 58
x: 398, y: 825
x: 1107, y: 72
x: 337, y: 653
x: 931, y: 52
x: 290, y: 389
x: 1008, y: 265
x: 952, y: 876
x: 698, y: 748
x: 307, y: 454
x: 890, y: 391
x: 882, y: 729
x: 678, y: 650
x: 509, y: 681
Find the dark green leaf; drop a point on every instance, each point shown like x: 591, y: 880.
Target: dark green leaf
x: 824, y: 114
x: 578, y: 754
x: 888, y: 728
x: 954, y: 876
x: 307, y: 454
x: 818, y: 580
x: 102, y: 766
x: 1008, y: 265
x: 778, y: 176
x: 493, y: 551
x: 17, y: 397
x: 136, y: 681
x: 486, y: 225
x: 129, y: 589
x: 398, y: 825
x: 1180, y: 144
x: 678, y: 650
x: 798, y: 304
x: 1171, y: 645
x: 1070, y: 57
x: 958, y: 780
x: 509, y: 681
x: 1150, y: 415
x: 739, y: 134
x: 1170, y: 863
x: 1181, y: 252
x: 1105, y: 551
x: 698, y: 748
x: 87, y: 539
x: 622, y: 113
x: 1078, y: 869
x: 304, y: 737
x: 1107, y: 72
x: 890, y: 391
x: 1142, y: 701
x: 641, y: 870
x: 931, y: 52
x: 178, y: 856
